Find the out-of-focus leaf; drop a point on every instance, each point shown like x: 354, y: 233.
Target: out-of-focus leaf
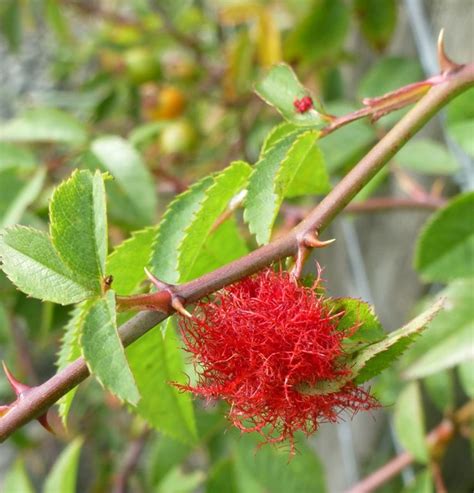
x: 268, y: 39
x: 79, y: 226
x: 449, y: 338
x: 127, y: 261
x: 172, y: 228
x: 271, y: 469
x: 445, y: 247
x: 466, y: 376
x: 460, y: 120
x: 44, y: 125
x: 179, y: 482
x: 25, y: 196
x: 386, y: 75
x: 461, y: 107
x: 342, y: 149
x: 222, y: 477
x: 18, y: 189
x: 321, y: 33
x: 163, y: 456
x: 372, y: 360
x: 423, y: 483
x: 462, y: 132
x: 10, y: 23
x: 144, y: 133
x: 426, y: 156
x: 16, y: 479
x: 280, y: 88
x: 103, y: 350
x: 240, y: 55
x: 226, y: 185
x: 33, y: 265
x: 410, y: 423
x: 157, y: 362
x: 440, y: 388
x: 378, y: 19
x: 57, y: 20
x: 5, y: 333
x: 133, y: 186
x: 12, y: 156
x: 357, y: 313
x: 63, y: 475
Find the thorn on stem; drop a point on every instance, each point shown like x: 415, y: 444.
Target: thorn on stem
x: 154, y: 280
x: 17, y: 386
x: 306, y: 242
x: 445, y: 63
x: 20, y: 389
x: 176, y: 301
x: 178, y: 306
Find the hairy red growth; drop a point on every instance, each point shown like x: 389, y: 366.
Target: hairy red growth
x: 303, y: 105
x: 259, y: 340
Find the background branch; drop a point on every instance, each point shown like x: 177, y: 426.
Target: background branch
x: 38, y: 399
x: 437, y: 440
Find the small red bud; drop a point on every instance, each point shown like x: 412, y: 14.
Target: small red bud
x: 303, y: 105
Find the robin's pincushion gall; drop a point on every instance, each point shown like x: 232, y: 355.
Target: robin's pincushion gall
x: 259, y: 342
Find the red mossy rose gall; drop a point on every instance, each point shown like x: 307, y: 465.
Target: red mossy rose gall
x: 257, y: 342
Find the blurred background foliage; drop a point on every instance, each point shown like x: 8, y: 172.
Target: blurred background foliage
x: 160, y: 93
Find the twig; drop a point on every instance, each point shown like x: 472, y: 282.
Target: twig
x: 436, y: 440
x: 376, y: 204
x: 132, y: 456
x: 40, y: 398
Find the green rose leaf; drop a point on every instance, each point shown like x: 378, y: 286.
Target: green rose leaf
x: 103, y: 350
x: 280, y: 88
x: 293, y: 166
x: 371, y: 360
x: 226, y: 185
x: 33, y: 265
x: 79, y: 226
x: 172, y: 230
x: 156, y: 361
